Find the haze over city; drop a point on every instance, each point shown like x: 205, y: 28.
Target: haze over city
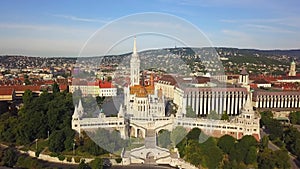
x: 60, y: 28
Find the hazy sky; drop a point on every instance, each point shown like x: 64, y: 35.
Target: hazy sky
x: 61, y: 28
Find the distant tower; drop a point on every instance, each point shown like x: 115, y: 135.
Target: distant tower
x: 134, y: 66
x: 244, y: 79
x: 292, y: 69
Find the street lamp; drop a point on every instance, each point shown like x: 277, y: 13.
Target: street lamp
x: 36, y: 140
x: 73, y: 148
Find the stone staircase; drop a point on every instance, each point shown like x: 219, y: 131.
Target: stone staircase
x: 150, y: 140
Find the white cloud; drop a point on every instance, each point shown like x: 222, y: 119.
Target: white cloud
x: 267, y: 28
x: 75, y: 18
x: 43, y: 28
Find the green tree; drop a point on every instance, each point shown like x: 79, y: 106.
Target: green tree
x: 212, y: 154
x: 56, y: 141
x: 109, y: 78
x: 294, y: 117
x: 225, y: 116
x: 100, y: 100
x: 10, y: 157
x: 83, y: 165
x: 190, y: 112
x: 247, y: 141
x: 92, y: 148
x: 264, y: 142
x: 27, y: 81
x: 240, y: 150
x: 177, y: 135
x: 194, y: 134
x: 281, y: 159
x: 226, y: 143
x: 97, y: 163
x: 55, y: 88
x: 194, y: 155
x: 27, y: 97
x: 69, y: 141
x: 265, y: 160
x: 251, y: 156
x: 164, y: 138
x: 28, y: 162
x: 213, y: 115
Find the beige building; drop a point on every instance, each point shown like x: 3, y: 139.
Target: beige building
x: 292, y: 69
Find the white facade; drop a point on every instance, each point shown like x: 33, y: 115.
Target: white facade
x: 280, y: 100
x: 167, y: 88
x: 264, y: 85
x: 106, y: 92
x: 85, y: 89
x: 205, y: 100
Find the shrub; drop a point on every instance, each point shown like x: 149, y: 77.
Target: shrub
x: 61, y: 157
x: 118, y: 160
x: 77, y: 159
x: 69, y: 159
x: 37, y: 153
x: 53, y: 154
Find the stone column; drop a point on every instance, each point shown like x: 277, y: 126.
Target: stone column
x: 197, y: 103
x: 201, y: 103
x: 205, y: 104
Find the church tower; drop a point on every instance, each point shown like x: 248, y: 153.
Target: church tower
x: 134, y: 66
x: 244, y: 79
x: 292, y: 69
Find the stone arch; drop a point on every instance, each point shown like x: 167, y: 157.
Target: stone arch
x: 137, y: 131
x: 140, y: 133
x: 160, y: 130
x: 168, y: 127
x: 150, y: 155
x: 132, y: 130
x: 150, y: 158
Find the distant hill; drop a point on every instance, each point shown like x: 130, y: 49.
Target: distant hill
x: 234, y: 55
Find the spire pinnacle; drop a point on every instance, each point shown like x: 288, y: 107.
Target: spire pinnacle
x: 134, y: 46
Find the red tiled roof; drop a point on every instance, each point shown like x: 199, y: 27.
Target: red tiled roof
x: 105, y: 84
x: 63, y: 87
x: 22, y: 88
x: 253, y: 86
x: 141, y: 91
x: 49, y: 82
x: 6, y: 91
x: 93, y: 83
x: 256, y: 136
x: 168, y: 79
x: 244, y: 72
x: 261, y: 81
x: 216, y: 89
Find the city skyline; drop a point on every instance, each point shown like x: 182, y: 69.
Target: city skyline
x: 62, y: 28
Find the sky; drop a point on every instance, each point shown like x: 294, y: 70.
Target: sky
x: 70, y: 27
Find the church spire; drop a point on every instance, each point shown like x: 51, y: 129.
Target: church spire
x: 134, y: 66
x: 134, y: 46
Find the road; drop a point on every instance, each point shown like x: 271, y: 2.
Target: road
x: 142, y: 166
x: 297, y: 127
x: 295, y: 164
